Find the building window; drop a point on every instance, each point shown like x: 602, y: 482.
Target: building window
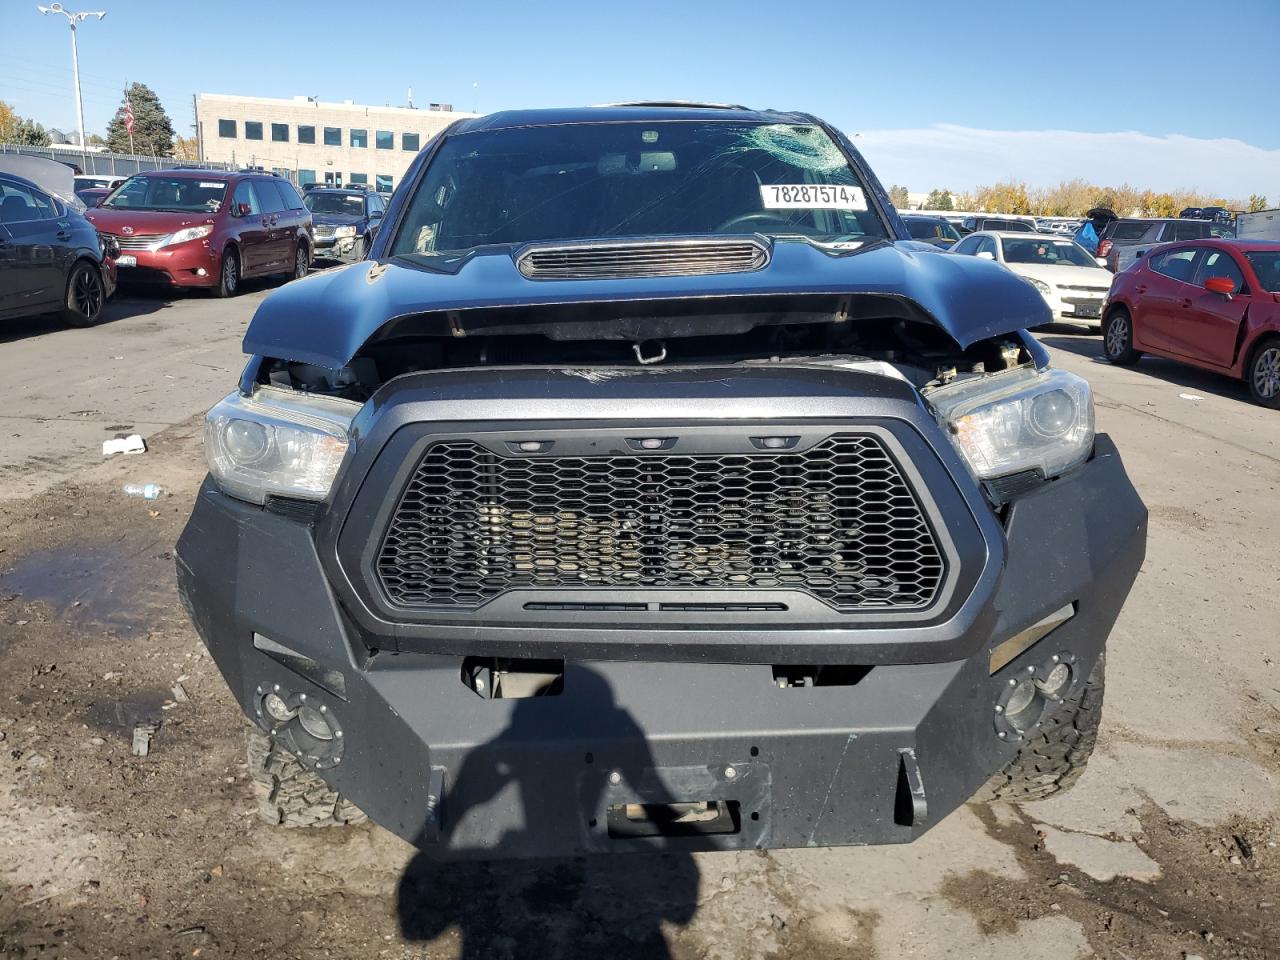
x: 360, y: 178
x: 279, y: 133
x: 227, y: 128
x: 359, y: 138
x: 410, y: 141
x: 306, y: 134
x: 333, y: 136
x: 383, y: 182
x: 385, y: 140
x: 252, y: 130
x: 333, y: 178
x: 307, y: 176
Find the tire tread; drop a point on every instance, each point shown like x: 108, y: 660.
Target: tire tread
x: 1055, y: 758
x: 288, y: 794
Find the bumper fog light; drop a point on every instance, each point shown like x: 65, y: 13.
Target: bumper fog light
x: 1023, y: 696
x: 1055, y: 681
x: 315, y: 724
x: 277, y: 709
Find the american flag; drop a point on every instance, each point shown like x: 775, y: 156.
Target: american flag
x: 128, y: 117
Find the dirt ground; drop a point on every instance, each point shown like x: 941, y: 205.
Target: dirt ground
x: 1168, y: 848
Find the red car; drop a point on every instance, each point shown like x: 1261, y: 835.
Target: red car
x: 205, y: 228
x: 1211, y: 303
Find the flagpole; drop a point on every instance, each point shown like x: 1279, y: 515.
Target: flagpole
x: 129, y: 112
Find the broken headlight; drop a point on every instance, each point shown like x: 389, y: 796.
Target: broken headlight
x: 277, y: 443
x: 1023, y: 419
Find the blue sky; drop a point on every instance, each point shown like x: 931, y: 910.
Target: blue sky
x: 935, y: 87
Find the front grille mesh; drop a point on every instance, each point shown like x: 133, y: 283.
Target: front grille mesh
x: 675, y: 258
x: 139, y: 241
x: 837, y: 521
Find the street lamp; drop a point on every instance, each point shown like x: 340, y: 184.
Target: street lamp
x: 73, y: 19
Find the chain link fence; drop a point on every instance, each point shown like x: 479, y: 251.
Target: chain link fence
x: 106, y: 163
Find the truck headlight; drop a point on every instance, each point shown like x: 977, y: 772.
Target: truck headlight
x: 277, y: 442
x: 1023, y: 419
x: 189, y: 233
x: 345, y: 232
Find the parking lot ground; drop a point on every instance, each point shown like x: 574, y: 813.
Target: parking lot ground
x: 1167, y: 847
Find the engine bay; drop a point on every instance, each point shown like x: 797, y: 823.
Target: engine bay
x: 843, y: 331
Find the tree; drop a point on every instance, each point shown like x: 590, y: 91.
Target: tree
x: 152, y: 130
x: 7, y: 119
x: 898, y: 197
x: 96, y: 140
x: 27, y: 133
x: 1257, y: 202
x: 1007, y: 196
x: 184, y: 148
x: 939, y: 200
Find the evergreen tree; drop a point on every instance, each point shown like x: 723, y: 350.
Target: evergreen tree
x: 939, y: 200
x: 28, y: 133
x: 152, y: 130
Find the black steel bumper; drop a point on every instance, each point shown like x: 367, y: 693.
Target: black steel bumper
x: 879, y: 758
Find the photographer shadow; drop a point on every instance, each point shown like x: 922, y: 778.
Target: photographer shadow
x: 540, y: 908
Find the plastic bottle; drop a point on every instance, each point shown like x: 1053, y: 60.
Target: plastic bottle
x: 147, y: 491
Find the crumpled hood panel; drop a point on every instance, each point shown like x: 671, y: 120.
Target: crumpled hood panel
x: 326, y: 318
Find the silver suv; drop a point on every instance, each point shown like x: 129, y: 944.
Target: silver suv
x: 1124, y: 241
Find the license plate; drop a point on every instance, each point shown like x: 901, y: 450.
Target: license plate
x: 1089, y: 311
x: 126, y: 261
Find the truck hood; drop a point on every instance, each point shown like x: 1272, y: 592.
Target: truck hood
x: 143, y: 222
x: 326, y: 318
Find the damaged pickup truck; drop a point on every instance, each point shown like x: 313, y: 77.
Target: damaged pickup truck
x: 648, y: 487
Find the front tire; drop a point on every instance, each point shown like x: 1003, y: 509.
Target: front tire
x: 1263, y: 374
x: 85, y: 297
x: 1053, y: 759
x: 1117, y: 338
x: 229, y: 275
x: 288, y: 794
x: 301, y: 264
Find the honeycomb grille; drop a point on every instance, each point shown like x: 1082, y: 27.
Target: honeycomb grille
x: 837, y: 521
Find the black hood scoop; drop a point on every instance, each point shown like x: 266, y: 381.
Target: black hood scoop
x: 642, y: 257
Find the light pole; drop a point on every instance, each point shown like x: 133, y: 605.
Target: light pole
x: 73, y: 19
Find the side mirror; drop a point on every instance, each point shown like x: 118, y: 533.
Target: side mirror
x: 1223, y: 285
x: 242, y: 210
x: 1100, y: 261
x: 985, y: 255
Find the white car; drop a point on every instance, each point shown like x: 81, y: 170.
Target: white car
x: 1072, y: 282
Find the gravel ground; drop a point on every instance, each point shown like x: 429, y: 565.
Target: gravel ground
x: 1167, y: 847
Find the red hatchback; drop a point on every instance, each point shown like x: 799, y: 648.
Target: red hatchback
x: 1211, y: 303
x: 206, y: 228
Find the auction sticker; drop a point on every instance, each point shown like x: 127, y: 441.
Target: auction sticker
x: 811, y: 196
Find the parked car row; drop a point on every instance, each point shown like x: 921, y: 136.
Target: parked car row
x: 52, y: 260
x: 1212, y: 303
x: 1182, y: 288
x: 181, y: 228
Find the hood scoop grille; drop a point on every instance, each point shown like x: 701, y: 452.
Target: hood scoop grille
x: 616, y: 259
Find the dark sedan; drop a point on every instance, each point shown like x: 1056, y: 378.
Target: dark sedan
x: 51, y: 257
x: 346, y: 221
x: 932, y: 230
